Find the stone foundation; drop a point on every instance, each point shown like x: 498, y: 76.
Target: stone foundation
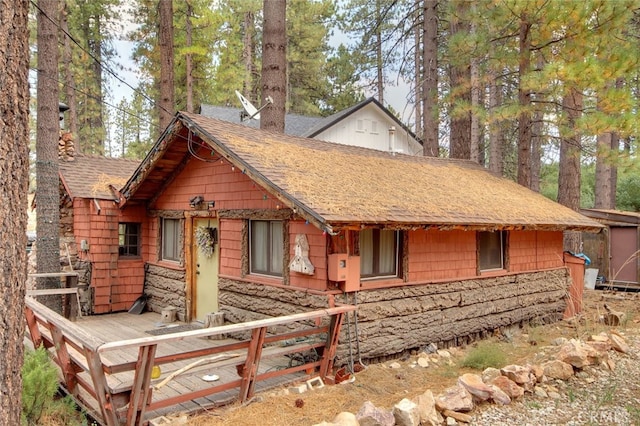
x: 397, y: 320
x: 165, y: 287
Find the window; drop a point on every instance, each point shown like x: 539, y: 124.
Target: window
x: 379, y: 253
x: 491, y: 250
x: 266, y: 244
x: 171, y: 239
x: 129, y: 239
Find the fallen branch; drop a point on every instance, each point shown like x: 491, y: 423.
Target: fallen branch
x: 193, y: 364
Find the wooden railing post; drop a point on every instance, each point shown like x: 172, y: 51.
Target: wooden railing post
x: 254, y: 352
x: 32, y: 324
x: 141, y: 388
x: 64, y: 360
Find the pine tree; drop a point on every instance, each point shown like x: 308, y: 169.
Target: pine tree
x: 14, y: 181
x: 274, y: 65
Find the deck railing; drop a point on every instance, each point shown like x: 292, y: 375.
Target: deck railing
x: 99, y: 386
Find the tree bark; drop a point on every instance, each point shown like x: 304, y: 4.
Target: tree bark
x: 569, y: 175
x: 274, y: 65
x: 14, y: 185
x: 47, y: 135
x: 524, y: 99
x: 496, y: 131
x: 70, y: 85
x: 188, y: 64
x: 247, y: 55
x: 379, y: 61
x: 460, y: 76
x: 430, y: 116
x: 167, y: 92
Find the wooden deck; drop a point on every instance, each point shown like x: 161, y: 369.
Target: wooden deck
x: 106, y: 361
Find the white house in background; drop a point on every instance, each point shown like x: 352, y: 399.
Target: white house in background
x: 367, y: 124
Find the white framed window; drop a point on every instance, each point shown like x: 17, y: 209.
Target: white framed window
x: 360, y: 126
x: 379, y: 253
x: 491, y: 250
x: 170, y: 239
x: 374, y: 127
x: 266, y: 247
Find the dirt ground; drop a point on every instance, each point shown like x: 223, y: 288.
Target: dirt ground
x: 385, y: 386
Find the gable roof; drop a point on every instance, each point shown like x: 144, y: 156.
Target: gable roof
x: 90, y: 176
x: 338, y: 186
x: 301, y: 125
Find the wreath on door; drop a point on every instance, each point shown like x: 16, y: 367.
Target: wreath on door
x: 206, y: 239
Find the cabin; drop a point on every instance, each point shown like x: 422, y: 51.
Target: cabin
x: 109, y: 280
x: 614, y: 252
x: 224, y: 219
x: 366, y: 124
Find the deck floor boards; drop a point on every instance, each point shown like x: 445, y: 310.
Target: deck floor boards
x: 122, y: 326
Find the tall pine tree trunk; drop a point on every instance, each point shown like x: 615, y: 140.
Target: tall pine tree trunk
x: 417, y: 70
x: 496, y: 131
x: 379, y: 61
x: 247, y: 55
x: 460, y: 77
x: 524, y: 99
x: 274, y: 65
x: 430, y: 116
x: 47, y: 135
x: 14, y: 185
x: 70, y: 85
x: 569, y: 175
x: 167, y: 103
x: 188, y: 58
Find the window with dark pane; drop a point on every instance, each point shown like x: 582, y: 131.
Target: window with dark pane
x: 129, y: 239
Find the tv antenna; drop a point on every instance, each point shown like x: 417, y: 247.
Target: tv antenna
x: 249, y: 111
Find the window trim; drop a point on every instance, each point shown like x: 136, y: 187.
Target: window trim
x: 178, y: 240
x: 504, y: 238
x: 268, y: 272
x: 125, y: 247
x: 397, y: 253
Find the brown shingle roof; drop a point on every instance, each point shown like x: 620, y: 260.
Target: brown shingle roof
x: 90, y: 176
x: 339, y: 185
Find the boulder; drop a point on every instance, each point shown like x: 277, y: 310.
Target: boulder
x: 429, y: 416
x: 619, y: 343
x: 538, y: 372
x: 509, y: 387
x: 475, y: 386
x: 557, y: 369
x: 489, y: 374
x: 520, y: 375
x: 345, y: 419
x: 499, y: 396
x: 576, y: 353
x: 455, y: 398
x: 370, y: 415
x: 406, y: 413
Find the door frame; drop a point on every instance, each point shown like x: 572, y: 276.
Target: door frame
x: 189, y: 254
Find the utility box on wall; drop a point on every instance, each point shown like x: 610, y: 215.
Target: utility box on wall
x: 345, y: 270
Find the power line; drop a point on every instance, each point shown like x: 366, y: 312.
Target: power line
x: 106, y: 68
x: 100, y: 100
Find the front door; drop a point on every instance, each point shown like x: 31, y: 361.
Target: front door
x: 624, y: 262
x: 206, y: 259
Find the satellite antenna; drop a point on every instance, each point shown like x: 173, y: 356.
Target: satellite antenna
x: 249, y: 111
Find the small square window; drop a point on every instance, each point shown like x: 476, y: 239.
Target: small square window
x: 129, y: 239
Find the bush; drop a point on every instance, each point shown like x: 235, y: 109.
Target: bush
x: 485, y: 355
x: 39, y: 385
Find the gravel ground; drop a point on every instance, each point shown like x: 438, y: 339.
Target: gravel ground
x: 594, y: 396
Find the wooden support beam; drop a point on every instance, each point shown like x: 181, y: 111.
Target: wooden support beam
x: 254, y: 352
x: 103, y: 394
x: 141, y: 388
x: 329, y: 353
x: 64, y: 360
x: 32, y: 325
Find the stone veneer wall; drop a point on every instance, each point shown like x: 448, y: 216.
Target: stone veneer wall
x: 396, y: 320
x: 165, y: 287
